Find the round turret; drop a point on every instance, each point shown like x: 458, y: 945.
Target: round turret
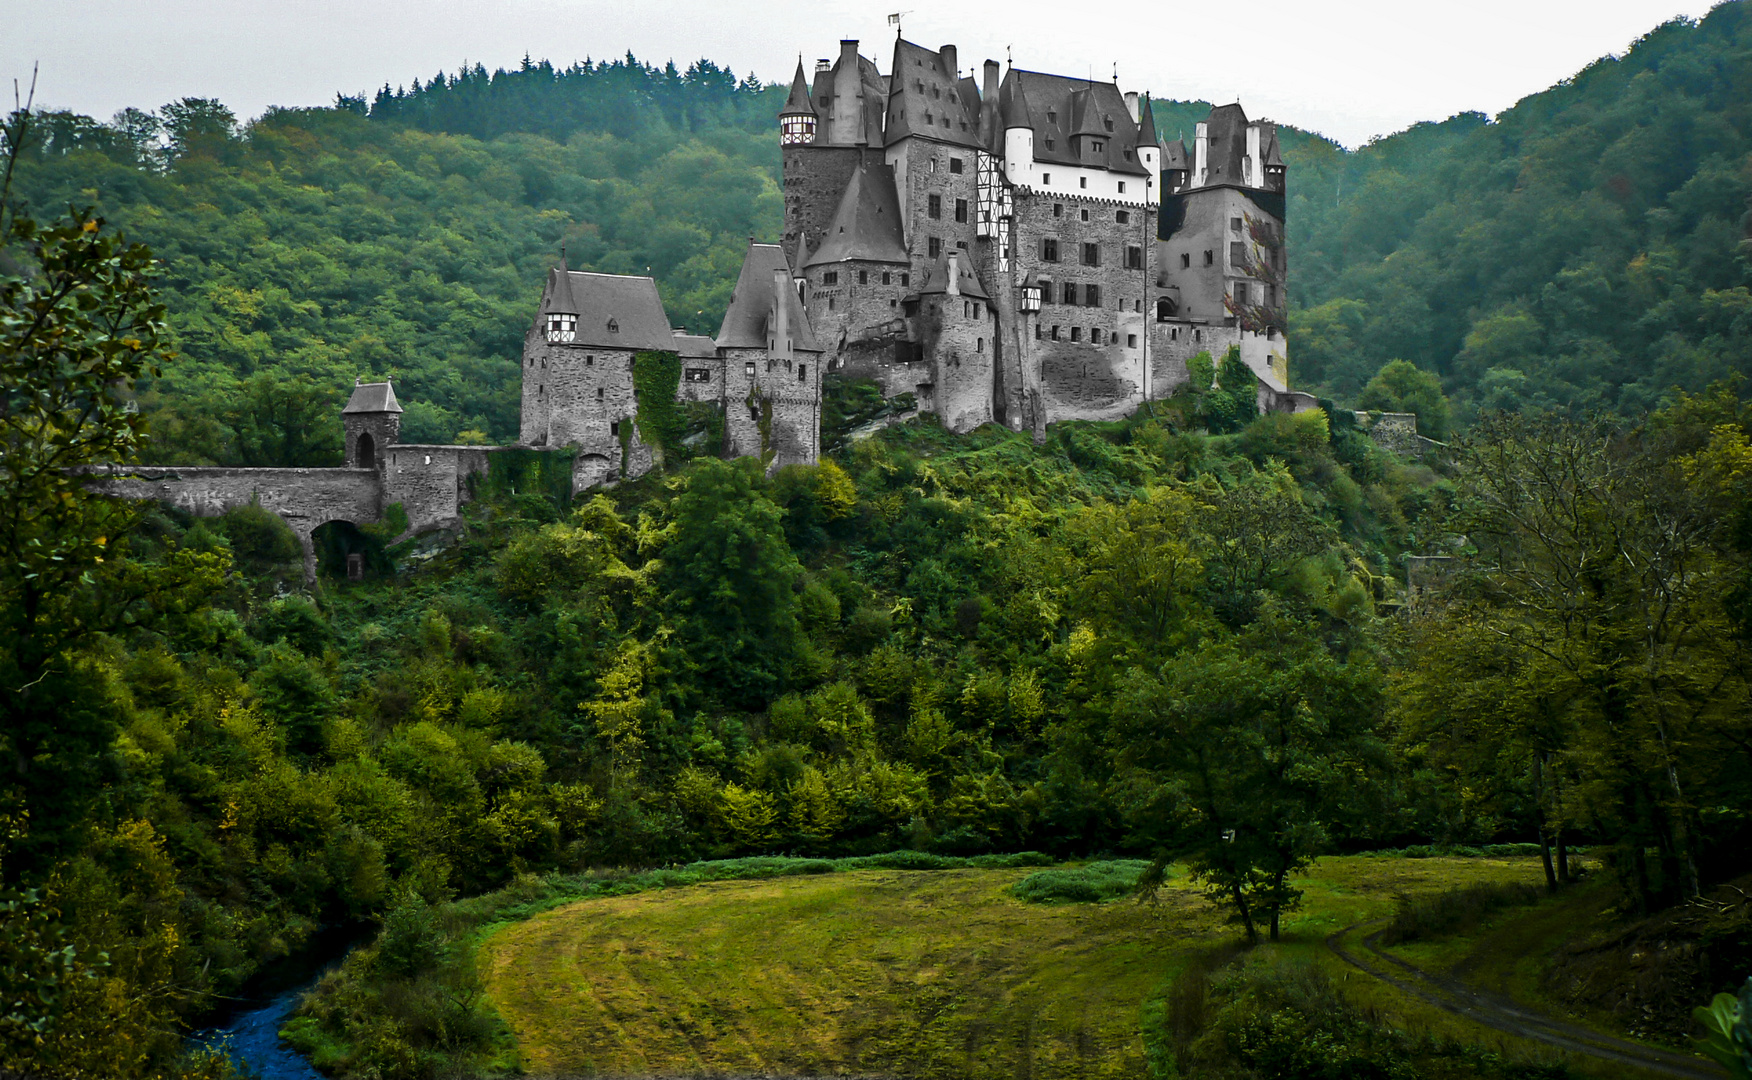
x: 797, y: 119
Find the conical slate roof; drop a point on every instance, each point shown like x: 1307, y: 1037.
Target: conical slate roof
x: 560, y: 300
x: 1013, y: 105
x: 798, y: 104
x: 372, y: 397
x: 866, y: 226
x: 1174, y: 157
x: 1271, y: 155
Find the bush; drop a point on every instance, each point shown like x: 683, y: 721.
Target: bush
x: 1456, y: 911
x: 1093, y: 883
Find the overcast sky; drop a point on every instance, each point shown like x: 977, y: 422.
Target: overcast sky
x: 1352, y: 70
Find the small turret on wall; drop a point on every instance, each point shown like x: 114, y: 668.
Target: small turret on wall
x: 372, y: 422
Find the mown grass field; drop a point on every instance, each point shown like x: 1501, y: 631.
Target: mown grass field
x: 918, y: 973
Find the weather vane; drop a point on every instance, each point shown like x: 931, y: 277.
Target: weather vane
x: 894, y: 21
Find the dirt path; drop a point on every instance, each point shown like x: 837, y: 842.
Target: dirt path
x: 1501, y: 1014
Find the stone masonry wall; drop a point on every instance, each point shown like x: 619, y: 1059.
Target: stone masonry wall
x: 576, y: 395
x: 958, y: 335
x: 814, y: 178
x: 863, y: 301
x: 1079, y: 379
x: 431, y: 481
x: 923, y: 168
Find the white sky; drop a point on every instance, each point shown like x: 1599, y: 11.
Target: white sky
x: 1351, y: 70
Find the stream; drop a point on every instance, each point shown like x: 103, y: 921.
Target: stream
x: 251, y: 1039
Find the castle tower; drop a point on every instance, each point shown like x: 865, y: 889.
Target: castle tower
x: 372, y: 422
x: 797, y: 119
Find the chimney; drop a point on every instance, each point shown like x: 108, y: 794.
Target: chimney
x: 947, y: 52
x: 953, y: 285
x: 1201, y: 152
x: 823, y: 64
x: 781, y: 313
x: 849, y: 52
x: 990, y: 90
x: 1131, y: 104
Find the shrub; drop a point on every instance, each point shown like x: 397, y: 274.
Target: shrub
x: 1092, y: 883
x: 1455, y: 911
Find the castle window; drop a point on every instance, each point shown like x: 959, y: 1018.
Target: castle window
x: 1082, y: 181
x: 428, y: 459
x: 831, y: 277
x: 748, y: 369
x: 1134, y: 258
x: 1046, y: 177
x: 1185, y: 259
x: 1070, y: 292
x: 832, y: 304
x: 540, y: 390
x: 613, y: 326
x: 1210, y: 256
x: 599, y: 393
x: 1131, y: 341
x: 1058, y: 209
x: 934, y: 206
x: 1240, y: 293
x: 1234, y: 224
x: 1096, y: 146
x: 863, y: 277
x: 935, y: 246
x: 1128, y: 157
x: 802, y: 372
x: 1092, y: 295
x: 936, y: 93
x: 961, y: 210
x: 904, y: 278
x: 699, y: 374
x: 967, y: 309
x: 770, y: 363
x: 1051, y: 116
x: 887, y: 278
x: 1084, y: 213
x: 1165, y: 311
x: 1123, y: 217
x: 954, y: 164
x: 1109, y: 122
x: 1197, y: 334
x: 1055, y: 336
x: 1237, y: 253
x: 979, y: 345
x: 1091, y: 254
x: 614, y: 427
x: 1039, y: 332
x: 1094, y: 335
x: 1122, y: 182
x: 962, y: 244
x: 590, y: 361
x: 544, y: 364
x: 1050, y: 145
x: 1076, y: 333
x: 1046, y: 292
x: 927, y: 121
x: 562, y: 328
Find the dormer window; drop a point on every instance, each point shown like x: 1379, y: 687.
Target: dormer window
x: 1051, y: 116
x: 1109, y: 122
x: 1096, y: 146
x: 562, y: 328
x: 614, y: 326
x: 1050, y: 144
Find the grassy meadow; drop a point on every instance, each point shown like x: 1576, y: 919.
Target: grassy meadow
x: 935, y: 973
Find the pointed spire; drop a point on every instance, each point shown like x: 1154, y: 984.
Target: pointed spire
x: 1146, y: 123
x: 1013, y: 103
x: 560, y: 300
x: 867, y: 225
x: 798, y: 104
x: 1273, y: 159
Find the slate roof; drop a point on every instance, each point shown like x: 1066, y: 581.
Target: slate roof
x: 936, y: 278
x: 867, y: 224
x: 557, y: 299
x: 1174, y: 156
x: 694, y: 346
x: 1146, y: 123
x: 1227, y: 130
x: 872, y: 86
x: 926, y: 99
x: 372, y: 397
x: 630, y: 303
x: 1066, y: 114
x: 798, y: 104
x: 751, y: 305
x: 1271, y: 154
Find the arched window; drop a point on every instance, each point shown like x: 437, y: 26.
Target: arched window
x: 1164, y: 309
x: 365, y: 450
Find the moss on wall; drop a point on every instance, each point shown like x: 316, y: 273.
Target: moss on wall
x: 523, y: 471
x: 662, y: 421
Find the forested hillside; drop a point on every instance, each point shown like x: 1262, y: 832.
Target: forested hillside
x: 1583, y: 250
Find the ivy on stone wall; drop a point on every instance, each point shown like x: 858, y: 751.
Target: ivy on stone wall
x: 520, y: 471
x: 662, y: 420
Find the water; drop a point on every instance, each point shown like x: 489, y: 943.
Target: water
x: 252, y: 1041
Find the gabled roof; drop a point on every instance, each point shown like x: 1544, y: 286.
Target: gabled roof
x: 927, y: 99
x: 629, y: 303
x: 1059, y: 108
x: 867, y: 225
x: 372, y: 397
x: 751, y: 305
x: 936, y: 278
x: 1146, y: 123
x: 694, y: 346
x: 798, y: 104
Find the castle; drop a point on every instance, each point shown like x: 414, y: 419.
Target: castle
x: 1018, y: 249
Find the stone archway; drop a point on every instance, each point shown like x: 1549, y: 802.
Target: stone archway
x: 365, y: 451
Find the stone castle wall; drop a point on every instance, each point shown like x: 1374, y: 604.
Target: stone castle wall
x: 959, y: 334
